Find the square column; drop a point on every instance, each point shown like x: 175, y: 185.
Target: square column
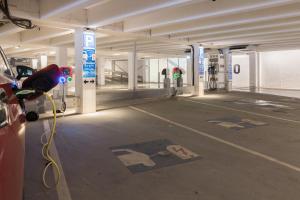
x: 228, y: 69
x: 146, y: 71
x: 43, y: 61
x: 253, y: 71
x: 85, y: 71
x: 61, y: 59
x: 61, y: 56
x: 198, y: 58
x: 189, y: 71
x: 132, y: 69
x: 100, y: 71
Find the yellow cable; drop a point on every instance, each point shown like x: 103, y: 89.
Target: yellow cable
x: 46, y: 148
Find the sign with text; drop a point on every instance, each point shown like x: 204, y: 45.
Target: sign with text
x: 89, y: 55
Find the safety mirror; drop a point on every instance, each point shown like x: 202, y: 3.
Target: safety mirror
x: 24, y: 71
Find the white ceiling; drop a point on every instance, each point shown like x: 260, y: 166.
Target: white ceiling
x: 157, y: 26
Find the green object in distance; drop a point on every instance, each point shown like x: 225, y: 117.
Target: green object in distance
x: 69, y: 79
x: 176, y: 75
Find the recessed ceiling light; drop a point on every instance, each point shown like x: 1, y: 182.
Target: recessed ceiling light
x: 116, y: 54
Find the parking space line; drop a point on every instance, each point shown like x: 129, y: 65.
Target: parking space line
x: 244, y: 111
x: 236, y: 146
x: 62, y: 188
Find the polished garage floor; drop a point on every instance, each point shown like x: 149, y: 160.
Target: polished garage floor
x: 236, y: 146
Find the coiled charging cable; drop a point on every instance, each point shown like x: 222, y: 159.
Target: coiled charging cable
x: 46, y: 148
x: 46, y: 142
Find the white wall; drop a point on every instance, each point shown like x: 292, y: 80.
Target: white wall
x: 280, y: 69
x: 240, y: 80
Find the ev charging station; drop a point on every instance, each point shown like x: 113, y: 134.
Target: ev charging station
x: 201, y: 71
x: 198, y: 60
x: 85, y: 53
x: 228, y: 69
x: 177, y: 77
x: 167, y: 82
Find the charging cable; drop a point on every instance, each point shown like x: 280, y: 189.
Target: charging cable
x: 46, y: 148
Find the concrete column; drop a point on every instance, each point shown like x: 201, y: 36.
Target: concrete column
x: 34, y: 64
x: 228, y: 69
x: 146, y: 71
x: 100, y: 71
x: 61, y: 59
x: 113, y: 65
x: 85, y: 70
x: 132, y: 69
x: 253, y: 71
x: 198, y: 58
x: 189, y: 71
x: 43, y: 61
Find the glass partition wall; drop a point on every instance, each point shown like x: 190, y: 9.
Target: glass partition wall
x: 151, y: 71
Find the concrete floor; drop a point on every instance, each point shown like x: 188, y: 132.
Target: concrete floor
x: 251, y: 162
x: 294, y: 93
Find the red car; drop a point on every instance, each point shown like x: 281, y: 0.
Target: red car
x: 12, y: 138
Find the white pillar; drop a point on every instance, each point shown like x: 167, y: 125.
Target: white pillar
x: 132, y: 69
x: 61, y: 56
x: 253, y: 71
x: 100, y: 71
x: 189, y: 72
x: 198, y: 70
x: 34, y: 63
x: 228, y: 69
x: 43, y: 61
x: 85, y: 63
x: 61, y: 59
x: 146, y: 71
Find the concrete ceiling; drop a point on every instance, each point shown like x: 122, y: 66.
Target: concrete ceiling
x: 156, y: 26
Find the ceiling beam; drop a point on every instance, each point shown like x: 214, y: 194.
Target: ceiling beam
x: 278, y: 13
x: 274, y: 38
x: 245, y: 35
x: 28, y: 9
x: 50, y: 8
x: 198, y: 10
x: 282, y: 23
x: 42, y: 33
x: 9, y: 29
x: 116, y: 11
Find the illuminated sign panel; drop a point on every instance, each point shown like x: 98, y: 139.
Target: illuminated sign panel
x: 201, y: 61
x: 89, y: 55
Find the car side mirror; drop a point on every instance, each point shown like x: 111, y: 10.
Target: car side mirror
x: 24, y: 71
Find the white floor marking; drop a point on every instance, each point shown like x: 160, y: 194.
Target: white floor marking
x: 62, y: 188
x: 236, y: 146
x: 244, y: 111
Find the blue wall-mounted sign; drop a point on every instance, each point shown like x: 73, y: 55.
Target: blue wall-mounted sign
x: 89, y: 55
x: 201, y: 61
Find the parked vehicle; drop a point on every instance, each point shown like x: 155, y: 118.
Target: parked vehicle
x: 13, y: 116
x: 12, y: 136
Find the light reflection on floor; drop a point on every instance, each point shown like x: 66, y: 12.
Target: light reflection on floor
x: 279, y: 92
